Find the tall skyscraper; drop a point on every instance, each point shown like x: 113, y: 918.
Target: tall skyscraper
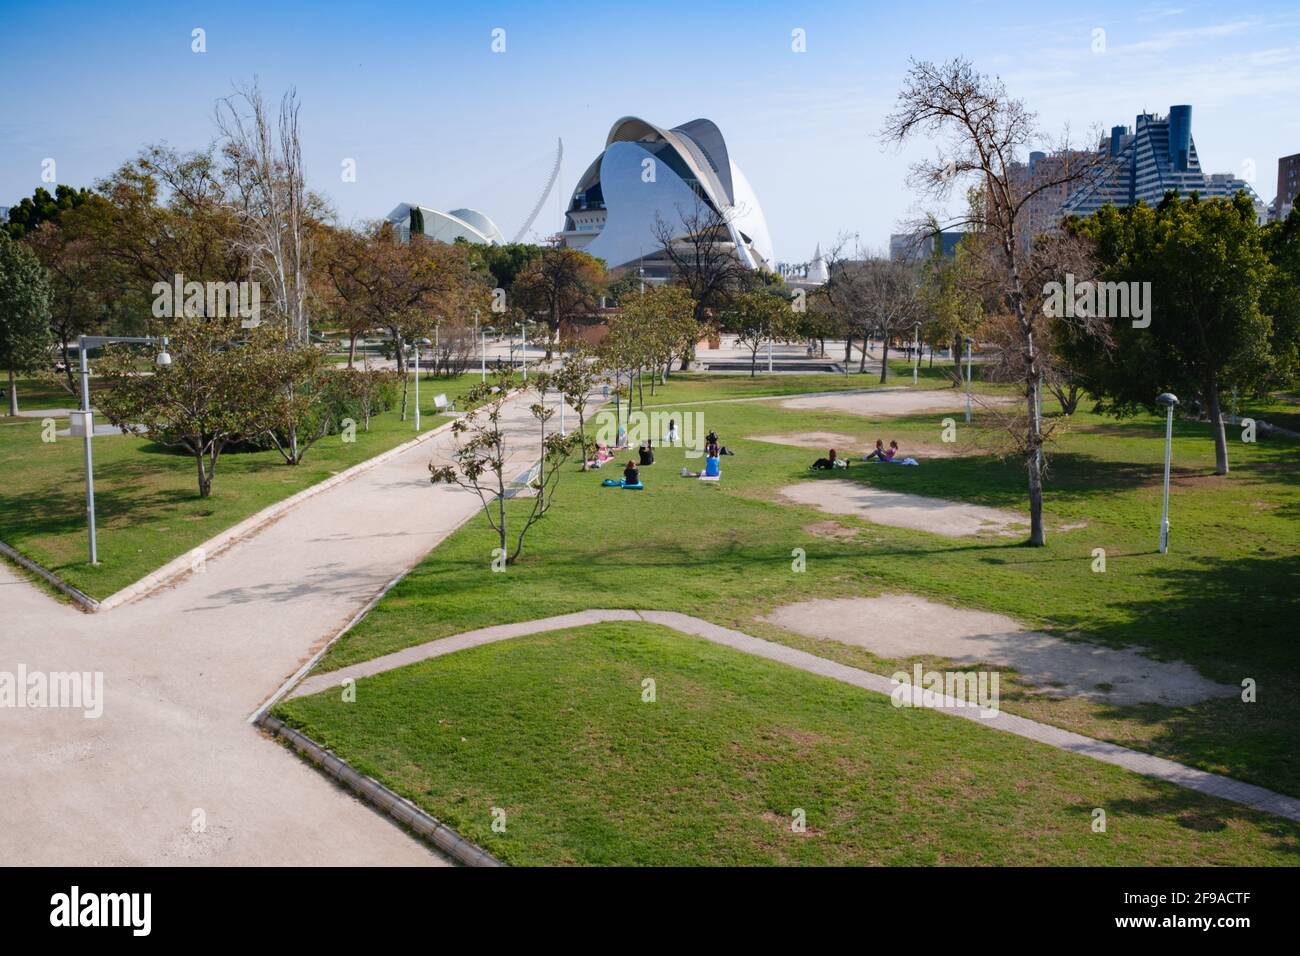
x: 1157, y: 155
x: 1288, y: 185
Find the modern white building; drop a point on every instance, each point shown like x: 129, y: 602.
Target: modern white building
x: 468, y: 224
x: 648, y: 174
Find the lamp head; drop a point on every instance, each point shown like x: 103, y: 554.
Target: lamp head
x: 163, y: 358
x: 1168, y: 399
x: 423, y: 342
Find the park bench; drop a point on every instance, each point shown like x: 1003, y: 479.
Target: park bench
x: 440, y: 404
x: 524, y: 481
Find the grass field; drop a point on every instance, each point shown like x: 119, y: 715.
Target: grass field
x: 146, y: 498
x: 1224, y: 599
x: 553, y: 730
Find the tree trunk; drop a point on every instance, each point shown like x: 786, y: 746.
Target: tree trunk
x: 862, y: 365
x: 501, y: 508
x: 205, y: 480
x: 13, y: 395
x: 582, y: 437
x: 884, y: 360
x: 1216, y: 424
x: 352, y: 348
x: 848, y: 350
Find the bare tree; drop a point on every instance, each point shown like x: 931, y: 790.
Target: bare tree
x: 269, y: 194
x: 982, y: 131
x: 699, y: 247
x: 480, y: 461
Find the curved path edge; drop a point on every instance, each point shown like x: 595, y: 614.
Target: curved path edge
x: 1148, y: 765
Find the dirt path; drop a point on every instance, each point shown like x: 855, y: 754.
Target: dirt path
x: 955, y: 519
x: 172, y: 773
x: 900, y: 626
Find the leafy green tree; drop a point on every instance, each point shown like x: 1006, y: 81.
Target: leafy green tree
x: 1281, y: 299
x: 1208, y: 269
x: 663, y: 322
x: 41, y: 207
x: 24, y: 313
x: 574, y: 380
x: 757, y: 317
x: 212, y: 395
x: 559, y: 285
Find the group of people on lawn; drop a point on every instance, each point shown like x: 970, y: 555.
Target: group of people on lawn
x: 713, y: 449
x: 879, y: 453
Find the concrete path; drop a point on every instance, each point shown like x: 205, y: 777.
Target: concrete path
x: 1146, y: 764
x: 172, y: 773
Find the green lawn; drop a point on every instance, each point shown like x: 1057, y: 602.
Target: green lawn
x: 1224, y: 599
x: 553, y: 730
x: 146, y: 499
x: 38, y: 393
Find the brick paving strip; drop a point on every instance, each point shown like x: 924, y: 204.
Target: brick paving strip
x: 1147, y: 765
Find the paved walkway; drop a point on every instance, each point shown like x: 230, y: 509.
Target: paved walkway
x: 184, y: 667
x: 1146, y: 764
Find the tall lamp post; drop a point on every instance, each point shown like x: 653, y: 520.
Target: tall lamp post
x: 916, y: 350
x: 417, y: 343
x: 968, y: 361
x: 523, y: 348
x: 1170, y: 401
x: 87, y: 420
x: 482, y: 354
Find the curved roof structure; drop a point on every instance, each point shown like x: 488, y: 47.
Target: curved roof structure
x: 468, y: 224
x: 648, y: 173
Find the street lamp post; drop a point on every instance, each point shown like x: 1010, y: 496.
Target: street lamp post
x: 1170, y: 401
x: 417, y: 343
x: 916, y: 350
x: 163, y: 359
x: 482, y: 343
x: 968, y: 361
x: 523, y: 349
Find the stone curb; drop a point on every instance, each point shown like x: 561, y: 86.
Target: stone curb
x: 182, y: 565
x: 373, y: 792
x: 79, y: 597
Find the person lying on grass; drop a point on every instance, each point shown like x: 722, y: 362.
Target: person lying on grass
x: 831, y: 461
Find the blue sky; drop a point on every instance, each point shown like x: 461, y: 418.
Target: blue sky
x: 413, y: 93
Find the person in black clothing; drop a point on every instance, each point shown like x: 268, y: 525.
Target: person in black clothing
x: 630, y: 475
x: 647, y: 453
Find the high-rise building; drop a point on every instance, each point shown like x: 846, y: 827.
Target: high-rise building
x: 913, y: 247
x: 1046, y: 180
x: 1157, y: 155
x: 1288, y: 185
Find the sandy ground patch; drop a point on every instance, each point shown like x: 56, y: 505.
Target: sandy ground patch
x: 810, y: 440
x: 832, y: 529
x: 938, y: 515
x: 904, y: 625
x: 894, y: 401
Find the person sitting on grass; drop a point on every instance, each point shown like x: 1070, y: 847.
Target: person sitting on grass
x: 881, y: 453
x: 646, y: 453
x: 602, y: 456
x: 630, y: 475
